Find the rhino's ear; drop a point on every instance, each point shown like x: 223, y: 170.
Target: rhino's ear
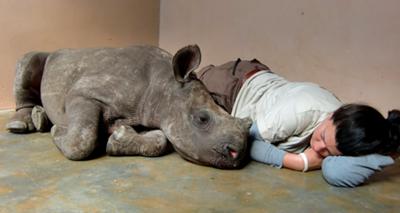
x: 185, y: 61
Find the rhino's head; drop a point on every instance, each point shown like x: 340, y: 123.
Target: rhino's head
x: 200, y: 130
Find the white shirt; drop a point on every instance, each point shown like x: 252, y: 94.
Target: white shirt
x: 286, y: 112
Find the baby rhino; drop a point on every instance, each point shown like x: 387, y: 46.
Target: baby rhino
x: 142, y: 97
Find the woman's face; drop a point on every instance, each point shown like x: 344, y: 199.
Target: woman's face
x: 323, y: 140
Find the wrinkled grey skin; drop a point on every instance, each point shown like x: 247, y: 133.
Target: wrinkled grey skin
x: 118, y: 90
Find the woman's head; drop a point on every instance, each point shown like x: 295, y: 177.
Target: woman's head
x: 361, y: 129
x: 323, y: 139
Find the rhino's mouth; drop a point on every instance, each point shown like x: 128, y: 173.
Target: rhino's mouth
x: 233, y: 154
x: 223, y: 158
x: 227, y: 150
x: 230, y: 156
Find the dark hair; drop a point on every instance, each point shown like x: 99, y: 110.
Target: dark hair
x: 361, y: 129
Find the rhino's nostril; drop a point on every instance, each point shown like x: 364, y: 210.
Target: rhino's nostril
x: 232, y: 152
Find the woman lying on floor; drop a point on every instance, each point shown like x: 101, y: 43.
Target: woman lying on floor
x: 302, y: 126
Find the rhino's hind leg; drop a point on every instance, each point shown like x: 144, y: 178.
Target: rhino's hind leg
x: 28, y: 77
x: 21, y: 122
x: 78, y: 140
x: 29, y: 119
x: 126, y: 141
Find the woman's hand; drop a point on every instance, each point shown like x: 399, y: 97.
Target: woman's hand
x: 295, y: 161
x: 314, y: 159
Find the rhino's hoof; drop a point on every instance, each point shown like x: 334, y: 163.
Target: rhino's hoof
x: 21, y: 122
x: 119, y: 133
x: 114, y: 146
x: 40, y: 119
x: 124, y: 133
x: 17, y: 127
x: 53, y: 130
x: 110, y: 146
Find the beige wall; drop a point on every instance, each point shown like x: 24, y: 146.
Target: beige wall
x: 47, y: 25
x: 351, y: 47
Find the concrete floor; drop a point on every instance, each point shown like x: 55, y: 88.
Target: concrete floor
x: 35, y: 177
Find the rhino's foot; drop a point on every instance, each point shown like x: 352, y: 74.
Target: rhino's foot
x: 154, y: 143
x: 126, y: 141
x: 21, y: 122
x: 40, y: 119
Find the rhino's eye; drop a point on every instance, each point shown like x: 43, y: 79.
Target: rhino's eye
x: 202, y: 119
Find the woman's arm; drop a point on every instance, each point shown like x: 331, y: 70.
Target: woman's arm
x: 296, y: 162
x: 293, y: 161
x: 346, y: 171
x: 265, y: 152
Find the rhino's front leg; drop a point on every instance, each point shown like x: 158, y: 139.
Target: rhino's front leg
x: 126, y: 141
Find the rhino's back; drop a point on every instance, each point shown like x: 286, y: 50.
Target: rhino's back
x: 112, y: 76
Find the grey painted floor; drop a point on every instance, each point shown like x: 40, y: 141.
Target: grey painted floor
x: 35, y: 177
